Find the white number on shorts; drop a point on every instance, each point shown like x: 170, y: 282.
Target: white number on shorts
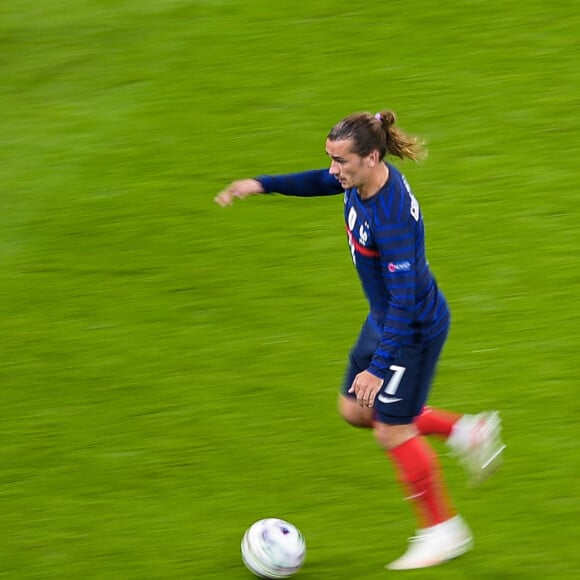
x: 393, y: 385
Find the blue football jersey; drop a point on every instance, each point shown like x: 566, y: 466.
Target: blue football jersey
x: 386, y: 237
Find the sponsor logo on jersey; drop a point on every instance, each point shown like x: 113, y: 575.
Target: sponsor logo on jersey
x: 404, y: 266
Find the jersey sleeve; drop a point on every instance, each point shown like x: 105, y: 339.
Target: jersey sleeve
x: 317, y: 182
x: 396, y: 244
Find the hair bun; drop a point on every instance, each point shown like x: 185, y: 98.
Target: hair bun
x: 389, y: 118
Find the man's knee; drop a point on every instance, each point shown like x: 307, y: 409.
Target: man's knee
x: 391, y: 436
x: 354, y: 414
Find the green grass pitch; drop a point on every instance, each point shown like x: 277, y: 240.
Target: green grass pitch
x: 169, y: 368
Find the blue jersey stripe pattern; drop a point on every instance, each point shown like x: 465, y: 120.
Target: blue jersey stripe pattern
x: 386, y: 236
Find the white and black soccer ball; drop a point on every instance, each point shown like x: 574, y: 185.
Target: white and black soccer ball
x: 273, y: 548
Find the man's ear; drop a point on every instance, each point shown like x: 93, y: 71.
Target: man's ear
x: 373, y: 158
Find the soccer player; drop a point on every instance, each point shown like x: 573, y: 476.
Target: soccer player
x: 392, y: 364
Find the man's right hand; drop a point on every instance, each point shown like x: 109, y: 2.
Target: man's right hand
x: 238, y: 189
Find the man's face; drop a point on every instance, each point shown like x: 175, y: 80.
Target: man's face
x: 350, y: 169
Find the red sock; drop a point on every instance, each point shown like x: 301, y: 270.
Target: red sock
x: 418, y: 471
x: 436, y: 421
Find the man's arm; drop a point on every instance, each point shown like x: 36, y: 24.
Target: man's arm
x: 316, y: 182
x: 312, y: 183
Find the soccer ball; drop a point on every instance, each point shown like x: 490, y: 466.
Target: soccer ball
x: 273, y: 548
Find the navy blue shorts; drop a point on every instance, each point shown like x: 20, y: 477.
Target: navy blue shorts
x: 408, y: 380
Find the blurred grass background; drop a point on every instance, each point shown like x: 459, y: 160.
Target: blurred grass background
x: 169, y: 368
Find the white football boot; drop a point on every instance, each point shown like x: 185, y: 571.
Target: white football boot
x: 476, y: 440
x: 435, y: 545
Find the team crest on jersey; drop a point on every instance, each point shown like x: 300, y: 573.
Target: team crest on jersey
x: 363, y: 234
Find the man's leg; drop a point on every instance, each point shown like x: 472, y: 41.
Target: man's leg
x: 442, y: 533
x: 475, y: 439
